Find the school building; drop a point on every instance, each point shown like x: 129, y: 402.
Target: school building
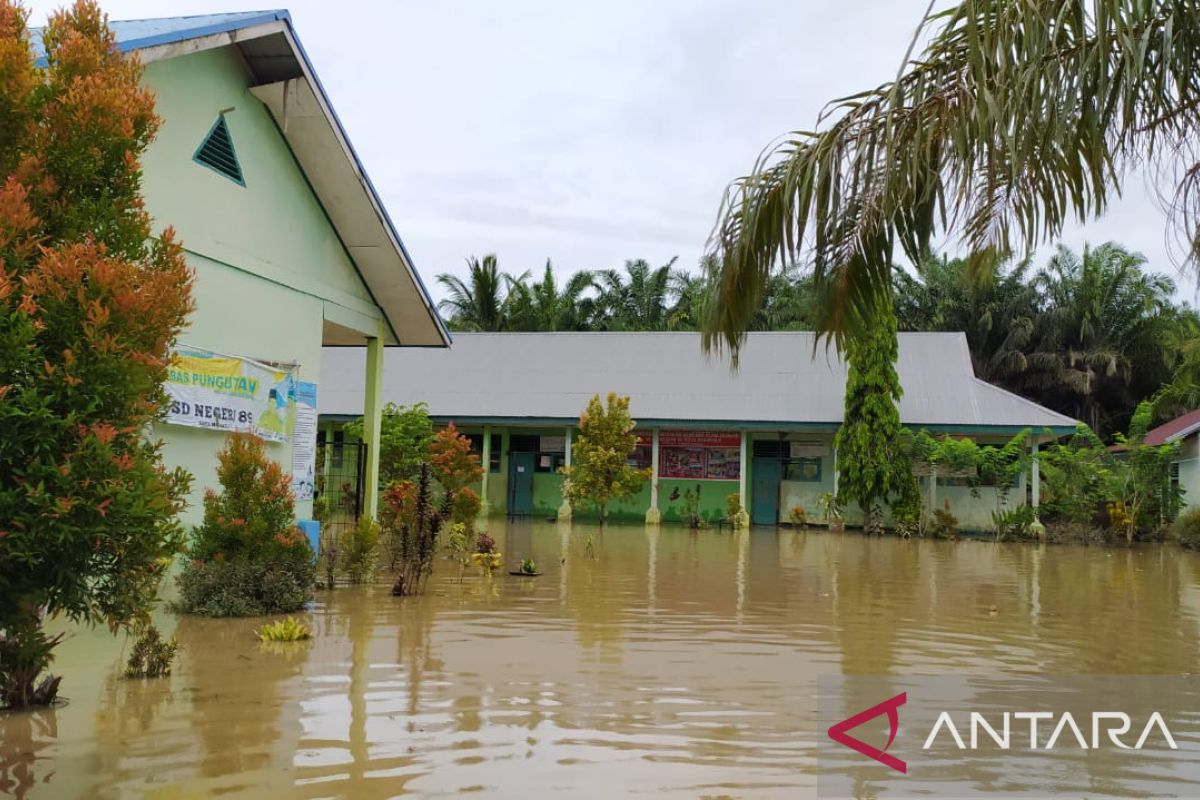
x: 764, y: 432
x: 291, y: 246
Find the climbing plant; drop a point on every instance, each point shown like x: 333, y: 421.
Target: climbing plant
x: 873, y: 467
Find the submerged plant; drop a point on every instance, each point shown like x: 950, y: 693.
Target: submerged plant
x: 284, y: 630
x: 486, y: 556
x: 152, y: 655
x: 361, y: 551
x: 412, y: 526
x: 798, y: 516
x: 733, y: 509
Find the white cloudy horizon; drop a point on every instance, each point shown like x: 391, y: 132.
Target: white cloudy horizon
x: 593, y: 133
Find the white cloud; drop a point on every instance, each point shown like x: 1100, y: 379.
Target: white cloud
x: 590, y: 132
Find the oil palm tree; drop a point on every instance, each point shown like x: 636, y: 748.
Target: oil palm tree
x: 1099, y: 342
x: 1016, y: 117
x: 994, y: 303
x: 476, y: 304
x: 542, y: 306
x: 636, y: 300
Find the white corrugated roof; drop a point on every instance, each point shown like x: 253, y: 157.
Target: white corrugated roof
x: 551, y: 376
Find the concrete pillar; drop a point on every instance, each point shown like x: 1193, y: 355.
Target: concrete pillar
x: 372, y: 422
x: 1035, y: 480
x: 835, y: 471
x: 564, y: 510
x: 653, y: 514
x: 743, y: 519
x: 484, y: 505
x: 932, y: 488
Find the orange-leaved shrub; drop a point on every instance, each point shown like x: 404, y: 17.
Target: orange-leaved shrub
x: 248, y: 557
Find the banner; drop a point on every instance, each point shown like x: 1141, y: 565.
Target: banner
x: 209, y: 390
x: 304, y: 441
x: 700, y: 455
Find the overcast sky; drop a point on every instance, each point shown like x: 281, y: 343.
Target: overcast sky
x: 590, y: 132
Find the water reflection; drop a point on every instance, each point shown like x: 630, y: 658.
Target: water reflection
x: 679, y: 663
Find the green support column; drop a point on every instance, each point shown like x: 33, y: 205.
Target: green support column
x: 564, y: 510
x: 743, y: 517
x: 372, y: 421
x: 484, y: 507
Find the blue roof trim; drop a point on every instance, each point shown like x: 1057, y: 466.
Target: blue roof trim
x: 128, y: 40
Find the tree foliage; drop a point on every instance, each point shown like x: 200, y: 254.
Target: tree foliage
x: 405, y: 433
x: 1012, y: 120
x: 89, y: 307
x: 600, y: 472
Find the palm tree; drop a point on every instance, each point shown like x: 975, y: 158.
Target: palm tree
x: 476, y: 304
x: 994, y: 303
x: 1099, y: 339
x: 639, y: 304
x: 1017, y: 117
x: 542, y: 307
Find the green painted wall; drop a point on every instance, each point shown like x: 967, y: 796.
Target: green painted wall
x: 268, y: 264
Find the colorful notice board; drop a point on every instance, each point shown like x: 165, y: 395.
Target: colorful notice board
x: 699, y: 455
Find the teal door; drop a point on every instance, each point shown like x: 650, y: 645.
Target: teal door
x: 764, y: 491
x: 520, y: 483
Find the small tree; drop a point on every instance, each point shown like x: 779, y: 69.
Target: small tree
x: 248, y: 557
x: 89, y: 307
x: 411, y: 525
x: 454, y: 464
x: 405, y: 433
x: 600, y: 471
x: 871, y: 460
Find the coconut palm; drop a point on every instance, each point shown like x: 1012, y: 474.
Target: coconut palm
x: 1016, y: 118
x: 476, y: 304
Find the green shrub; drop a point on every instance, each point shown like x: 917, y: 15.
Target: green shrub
x: 245, y: 588
x: 284, y: 630
x: 1186, y: 528
x: 733, y: 509
x: 248, y: 557
x: 152, y: 655
x: 944, y: 524
x: 1014, y: 524
x: 362, y: 551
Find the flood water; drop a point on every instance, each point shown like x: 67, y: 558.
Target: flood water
x: 673, y: 664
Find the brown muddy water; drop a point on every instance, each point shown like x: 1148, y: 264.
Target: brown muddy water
x: 674, y: 664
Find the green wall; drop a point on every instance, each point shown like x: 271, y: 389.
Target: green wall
x: 269, y: 266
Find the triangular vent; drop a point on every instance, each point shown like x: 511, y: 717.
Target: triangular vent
x: 216, y: 152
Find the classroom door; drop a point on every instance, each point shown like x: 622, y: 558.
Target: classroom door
x: 520, y: 483
x: 764, y: 491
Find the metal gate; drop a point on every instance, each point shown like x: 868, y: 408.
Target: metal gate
x: 341, y: 483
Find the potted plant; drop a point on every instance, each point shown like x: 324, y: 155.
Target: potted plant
x: 528, y: 569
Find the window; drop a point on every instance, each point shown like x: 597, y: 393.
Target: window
x: 216, y: 152
x: 493, y: 453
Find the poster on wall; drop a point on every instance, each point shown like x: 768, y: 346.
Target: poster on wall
x: 699, y: 455
x: 304, y: 441
x: 228, y: 393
